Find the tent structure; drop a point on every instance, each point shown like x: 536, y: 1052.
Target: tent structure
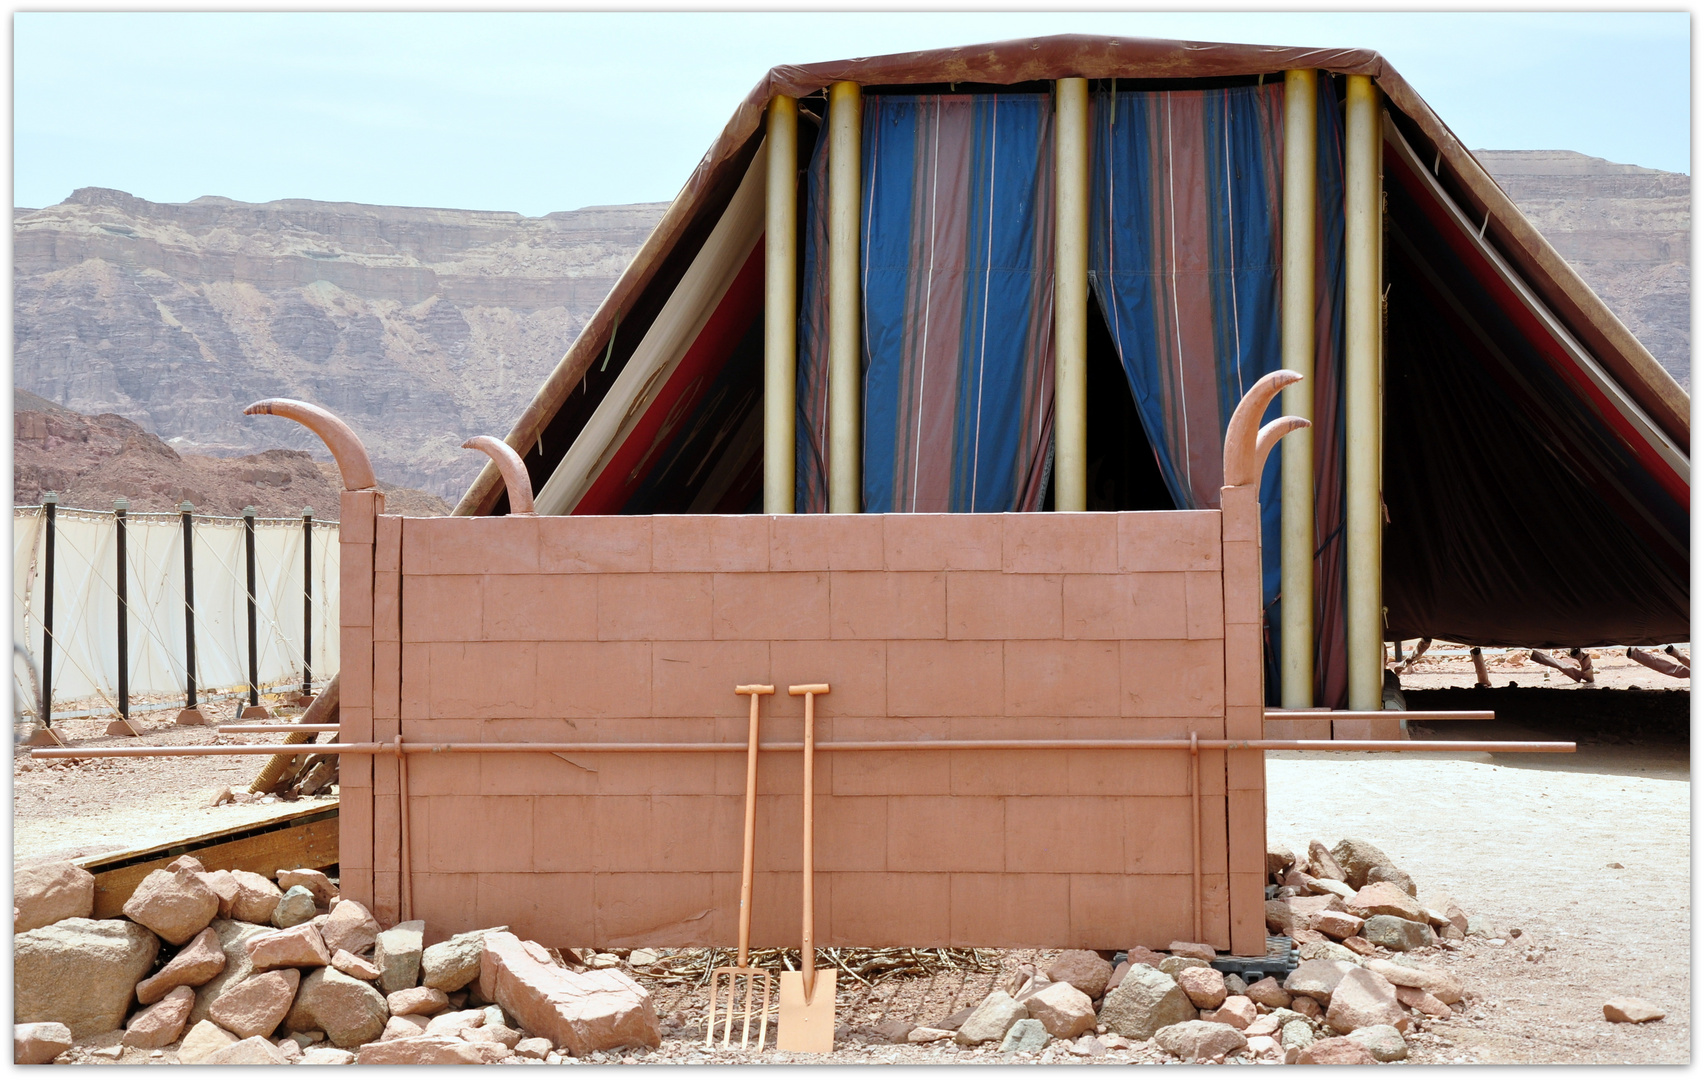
x: 1037, y: 275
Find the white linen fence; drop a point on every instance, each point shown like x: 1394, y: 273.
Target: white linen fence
x: 85, y: 663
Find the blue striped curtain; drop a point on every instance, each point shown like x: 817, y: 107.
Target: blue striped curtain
x: 957, y: 264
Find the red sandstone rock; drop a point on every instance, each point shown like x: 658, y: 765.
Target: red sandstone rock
x: 1140, y: 955
x: 175, y: 905
x: 252, y: 1051
x: 1630, y: 1010
x: 1415, y: 998
x: 1065, y: 1011
x: 1361, y: 999
x: 39, y: 1043
x: 1237, y: 1011
x: 404, y: 1027
x: 1357, y: 944
x: 255, y: 898
x: 1307, y: 1006
x: 256, y: 1005
x: 1117, y: 975
x: 1323, y: 864
x: 350, y: 964
x: 1383, y: 898
x: 312, y: 880
x: 161, y: 1024
x: 1337, y: 924
x: 350, y: 927
x: 596, y: 1010
x: 1205, y: 987
x: 1338, y: 1051
x: 1192, y: 948
x: 224, y: 886
x: 194, y: 964
x: 299, y: 946
x: 420, y: 1050
x: 421, y: 1000
x: 1267, y: 992
x: 48, y: 892
x: 1083, y: 969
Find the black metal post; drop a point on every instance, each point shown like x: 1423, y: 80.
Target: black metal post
x: 254, y: 644
x: 120, y: 507
x: 307, y: 599
x: 49, y: 505
x: 187, y: 509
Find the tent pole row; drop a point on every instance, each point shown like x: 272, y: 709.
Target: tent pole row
x: 845, y: 369
x: 1071, y: 296
x: 1296, y: 333
x: 780, y: 303
x: 1341, y: 745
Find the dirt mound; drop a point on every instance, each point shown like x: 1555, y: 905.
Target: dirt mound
x: 91, y: 460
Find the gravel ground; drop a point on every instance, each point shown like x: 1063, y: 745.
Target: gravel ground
x: 1525, y: 839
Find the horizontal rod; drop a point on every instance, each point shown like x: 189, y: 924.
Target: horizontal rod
x: 234, y: 729
x: 1386, y: 714
x: 740, y: 748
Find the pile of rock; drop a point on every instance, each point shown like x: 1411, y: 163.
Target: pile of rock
x: 272, y: 972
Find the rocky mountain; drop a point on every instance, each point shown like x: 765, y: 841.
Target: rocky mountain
x: 1626, y: 229
x: 422, y: 327
x: 419, y: 327
x: 91, y: 460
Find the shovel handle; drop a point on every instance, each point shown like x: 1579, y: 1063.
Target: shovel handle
x: 753, y: 691
x: 807, y: 951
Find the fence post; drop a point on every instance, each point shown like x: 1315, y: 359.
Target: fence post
x: 122, y: 726
x: 189, y: 714
x: 49, y: 507
x: 254, y: 709
x: 307, y: 601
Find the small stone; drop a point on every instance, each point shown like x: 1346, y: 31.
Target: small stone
x: 1397, y: 934
x: 1088, y: 1046
x: 350, y: 964
x: 1307, y: 1007
x: 1329, y: 887
x: 397, y: 956
x: 300, y: 946
x: 203, y: 1039
x: 48, y: 892
x: 294, y: 907
x: 1065, y: 1011
x: 991, y: 1020
x: 1613, y: 866
x: 1171, y: 965
x: 405, y: 1027
x: 493, y: 1033
x: 1200, y: 1040
x: 1315, y: 979
x: 1356, y: 857
x: 1265, y: 1048
x: 1083, y: 969
x: 1114, y: 1042
x: 175, y: 905
x: 327, y: 1055
x: 194, y: 964
x: 1025, y: 1036
x: 39, y: 1043
x: 932, y: 1034
x: 1278, y: 859
x: 1237, y: 1011
x: 313, y: 880
x: 1205, y: 987
x: 349, y: 1011
x: 1337, y: 924
x: 220, y: 796
x: 256, y: 1005
x: 1396, y: 877
x: 1267, y: 992
x: 1268, y: 1024
x: 421, y: 1050
x: 1415, y: 998
x: 582, y: 1011
x: 1359, y: 945
x: 1383, y: 1041
x: 1204, y: 953
x: 1384, y: 898
x: 453, y: 1023
x: 1479, y: 926
x: 1631, y: 1010
x: 305, y: 1039
x: 1338, y: 1051
x: 1440, y: 984
x: 255, y: 898
x: 162, y: 1023
x: 1280, y: 917
x: 533, y: 1048
x: 452, y: 964
x: 1234, y: 985
x: 1147, y: 1000
x: 1361, y: 999
x: 1323, y: 864
x: 350, y: 927
x: 1327, y: 950
x: 1140, y: 955
x: 418, y: 1000
x: 1117, y: 975
x: 1296, y: 1033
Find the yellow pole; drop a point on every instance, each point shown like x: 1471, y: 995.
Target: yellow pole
x: 1296, y: 547
x: 1363, y: 271
x: 1071, y: 297
x: 845, y: 427
x: 780, y: 304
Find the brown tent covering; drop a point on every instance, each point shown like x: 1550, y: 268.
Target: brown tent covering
x: 548, y: 425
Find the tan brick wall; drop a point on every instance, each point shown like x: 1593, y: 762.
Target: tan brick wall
x: 926, y: 626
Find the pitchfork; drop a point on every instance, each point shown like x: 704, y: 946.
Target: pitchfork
x: 741, y: 974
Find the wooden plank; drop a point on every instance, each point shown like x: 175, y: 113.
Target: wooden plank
x: 263, y: 849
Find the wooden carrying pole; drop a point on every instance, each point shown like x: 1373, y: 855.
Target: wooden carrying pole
x: 1296, y: 331
x: 1363, y: 360
x: 845, y: 369
x: 780, y: 304
x: 1071, y: 296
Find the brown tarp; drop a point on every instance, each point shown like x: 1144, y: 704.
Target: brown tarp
x: 1094, y: 57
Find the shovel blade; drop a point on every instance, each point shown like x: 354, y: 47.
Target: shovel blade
x: 806, y: 1027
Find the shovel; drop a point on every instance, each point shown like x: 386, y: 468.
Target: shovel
x: 807, y: 995
x: 751, y: 979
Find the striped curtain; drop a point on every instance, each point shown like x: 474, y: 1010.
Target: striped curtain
x: 957, y: 263
x: 1185, y: 261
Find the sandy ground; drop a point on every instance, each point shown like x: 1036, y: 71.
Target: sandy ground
x: 1524, y: 839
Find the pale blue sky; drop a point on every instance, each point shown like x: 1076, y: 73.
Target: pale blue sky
x: 537, y: 112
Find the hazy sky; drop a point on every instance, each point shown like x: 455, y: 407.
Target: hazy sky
x: 538, y: 112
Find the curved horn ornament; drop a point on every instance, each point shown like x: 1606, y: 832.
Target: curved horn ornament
x: 514, y: 471
x: 346, y: 449
x: 1242, y: 434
